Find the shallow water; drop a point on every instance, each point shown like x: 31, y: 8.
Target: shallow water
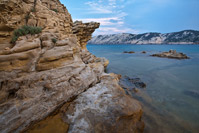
x: 171, y: 99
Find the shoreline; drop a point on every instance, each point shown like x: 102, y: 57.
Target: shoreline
x: 165, y: 82
x: 142, y: 44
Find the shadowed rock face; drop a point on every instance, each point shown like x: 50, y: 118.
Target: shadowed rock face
x: 172, y: 54
x: 37, y: 75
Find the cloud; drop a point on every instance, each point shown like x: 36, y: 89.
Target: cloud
x: 104, y: 21
x: 114, y: 30
x: 107, y: 21
x: 110, y: 25
x: 104, y: 6
x: 110, y: 15
x: 142, y: 15
x: 98, y: 8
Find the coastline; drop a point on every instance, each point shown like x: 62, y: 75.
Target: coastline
x: 148, y: 44
x: 170, y: 99
x: 51, y: 80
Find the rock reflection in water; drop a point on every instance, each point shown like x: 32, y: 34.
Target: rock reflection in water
x: 52, y: 124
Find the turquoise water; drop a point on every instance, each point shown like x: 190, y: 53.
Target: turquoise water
x: 171, y: 99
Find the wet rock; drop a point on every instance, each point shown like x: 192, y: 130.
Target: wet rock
x: 131, y: 85
x: 135, y: 90
x: 143, y: 52
x: 140, y: 84
x: 52, y: 124
x: 104, y: 108
x: 137, y: 81
x: 172, y: 54
x: 104, y: 61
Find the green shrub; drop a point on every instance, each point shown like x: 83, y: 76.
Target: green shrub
x: 27, y: 17
x: 14, y: 39
x: 24, y: 30
x: 55, y: 10
x: 33, y: 10
x: 54, y: 40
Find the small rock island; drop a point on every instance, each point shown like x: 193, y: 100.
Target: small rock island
x: 129, y: 52
x: 172, y: 54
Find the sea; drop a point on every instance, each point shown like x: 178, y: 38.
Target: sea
x: 170, y: 100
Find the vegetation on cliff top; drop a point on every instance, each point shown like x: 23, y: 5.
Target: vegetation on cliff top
x: 55, y: 10
x: 24, y: 30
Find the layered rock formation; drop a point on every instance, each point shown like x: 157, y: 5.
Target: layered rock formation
x: 42, y: 72
x: 82, y: 31
x: 104, y: 108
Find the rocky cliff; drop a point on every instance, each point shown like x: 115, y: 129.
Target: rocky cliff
x: 53, y: 72
x: 182, y: 37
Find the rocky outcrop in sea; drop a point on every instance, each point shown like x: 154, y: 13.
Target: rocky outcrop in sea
x: 171, y: 54
x: 47, y: 74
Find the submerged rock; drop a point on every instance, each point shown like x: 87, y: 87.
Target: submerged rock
x: 131, y: 85
x: 137, y: 81
x: 172, y: 54
x: 135, y: 90
x: 52, y: 124
x: 129, y: 52
x: 194, y: 94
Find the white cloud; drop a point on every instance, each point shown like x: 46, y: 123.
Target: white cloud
x: 105, y: 21
x: 104, y: 6
x: 99, y: 8
x: 109, y: 14
x: 114, y: 30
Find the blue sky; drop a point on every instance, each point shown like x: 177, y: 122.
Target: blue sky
x: 136, y: 16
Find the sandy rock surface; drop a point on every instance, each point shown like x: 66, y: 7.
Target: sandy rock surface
x: 39, y: 75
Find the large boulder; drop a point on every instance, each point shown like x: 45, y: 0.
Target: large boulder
x: 104, y: 108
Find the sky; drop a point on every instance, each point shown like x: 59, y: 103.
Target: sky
x: 136, y: 16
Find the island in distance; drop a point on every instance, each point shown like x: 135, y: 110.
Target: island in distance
x: 182, y: 37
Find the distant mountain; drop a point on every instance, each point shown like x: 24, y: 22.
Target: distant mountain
x: 182, y: 37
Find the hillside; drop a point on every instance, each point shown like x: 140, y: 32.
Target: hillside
x: 182, y: 37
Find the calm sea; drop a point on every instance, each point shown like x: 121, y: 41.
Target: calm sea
x: 171, y: 99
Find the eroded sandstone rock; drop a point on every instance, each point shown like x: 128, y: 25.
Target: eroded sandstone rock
x: 38, y: 75
x: 83, y: 30
x: 104, y: 108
